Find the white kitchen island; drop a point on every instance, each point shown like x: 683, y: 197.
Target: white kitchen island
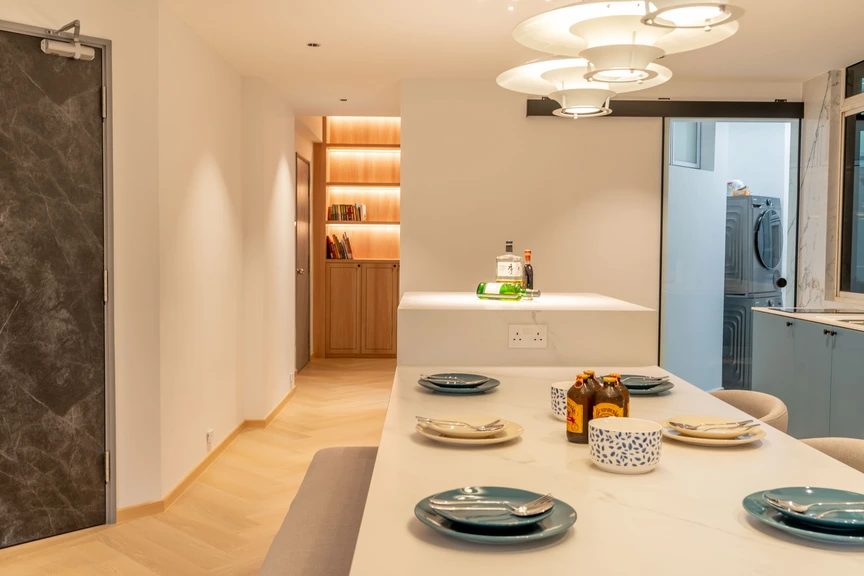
x: 441, y: 328
x: 685, y: 518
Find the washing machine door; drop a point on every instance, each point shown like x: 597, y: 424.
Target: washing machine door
x: 769, y: 239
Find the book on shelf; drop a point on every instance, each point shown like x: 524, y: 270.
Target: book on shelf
x: 347, y: 213
x: 339, y: 248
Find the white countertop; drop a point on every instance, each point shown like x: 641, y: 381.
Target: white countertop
x: 827, y: 319
x: 683, y: 518
x: 548, y: 301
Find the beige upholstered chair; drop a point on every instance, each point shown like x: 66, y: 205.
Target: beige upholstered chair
x: 850, y: 451
x: 769, y: 409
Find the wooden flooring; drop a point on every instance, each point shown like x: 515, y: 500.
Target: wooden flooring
x: 224, y: 523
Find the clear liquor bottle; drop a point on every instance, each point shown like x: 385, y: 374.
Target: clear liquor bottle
x: 509, y: 266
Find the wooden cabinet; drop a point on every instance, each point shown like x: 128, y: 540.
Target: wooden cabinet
x: 815, y: 370
x: 342, y: 322
x: 362, y: 299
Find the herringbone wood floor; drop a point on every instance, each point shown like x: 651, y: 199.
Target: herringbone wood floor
x: 223, y: 525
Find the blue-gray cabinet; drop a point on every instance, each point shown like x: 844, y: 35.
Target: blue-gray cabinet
x: 815, y: 369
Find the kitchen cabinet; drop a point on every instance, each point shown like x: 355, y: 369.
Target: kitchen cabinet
x: 361, y: 302
x: 847, y: 384
x: 815, y: 370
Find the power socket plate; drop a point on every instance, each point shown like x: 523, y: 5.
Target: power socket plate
x: 527, y: 336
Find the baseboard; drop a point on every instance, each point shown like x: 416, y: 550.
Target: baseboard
x: 159, y: 506
x: 140, y: 510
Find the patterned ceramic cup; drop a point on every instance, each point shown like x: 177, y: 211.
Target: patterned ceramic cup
x: 559, y: 399
x: 625, y: 445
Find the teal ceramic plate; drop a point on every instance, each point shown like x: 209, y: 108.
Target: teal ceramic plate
x: 651, y: 391
x: 562, y: 518
x: 637, y: 381
x: 758, y: 508
x: 485, y: 387
x: 806, y: 495
x: 490, y: 518
x: 441, y: 381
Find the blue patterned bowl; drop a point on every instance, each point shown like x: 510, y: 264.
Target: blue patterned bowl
x: 625, y: 445
x: 559, y: 399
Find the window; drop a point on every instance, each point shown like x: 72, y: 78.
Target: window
x: 855, y: 80
x: 686, y: 144
x: 852, y: 206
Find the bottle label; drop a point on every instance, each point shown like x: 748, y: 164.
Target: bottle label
x: 510, y: 270
x: 575, y: 417
x: 492, y: 288
x: 607, y: 410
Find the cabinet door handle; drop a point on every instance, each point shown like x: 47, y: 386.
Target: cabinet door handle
x: 788, y: 324
x: 825, y: 332
x: 833, y: 332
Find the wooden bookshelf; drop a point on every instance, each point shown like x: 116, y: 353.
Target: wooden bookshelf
x: 361, y: 165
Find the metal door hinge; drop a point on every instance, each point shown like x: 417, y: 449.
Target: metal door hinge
x: 105, y: 286
x: 107, y: 467
x: 104, y: 102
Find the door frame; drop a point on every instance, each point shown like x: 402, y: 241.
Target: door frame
x: 108, y: 248
x: 297, y: 159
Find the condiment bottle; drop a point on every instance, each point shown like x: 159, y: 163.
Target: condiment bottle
x: 609, y: 401
x: 626, y: 393
x: 580, y: 406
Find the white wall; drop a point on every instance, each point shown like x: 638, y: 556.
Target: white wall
x: 200, y: 222
x: 268, y: 248
x: 694, y: 277
x: 131, y: 26
x: 584, y: 195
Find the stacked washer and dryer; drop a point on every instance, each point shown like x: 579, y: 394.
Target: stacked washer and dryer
x: 754, y: 257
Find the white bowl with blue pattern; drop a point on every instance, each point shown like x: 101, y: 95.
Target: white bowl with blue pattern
x: 559, y: 399
x: 625, y: 445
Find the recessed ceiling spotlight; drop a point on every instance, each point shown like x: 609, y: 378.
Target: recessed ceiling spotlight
x: 510, y: 8
x: 313, y: 45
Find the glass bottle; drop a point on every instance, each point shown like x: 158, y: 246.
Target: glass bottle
x: 609, y: 401
x: 509, y: 266
x: 591, y: 378
x: 625, y: 392
x: 580, y: 406
x: 504, y: 291
x: 528, y: 272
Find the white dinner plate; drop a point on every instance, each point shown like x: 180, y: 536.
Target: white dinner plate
x: 753, y: 436
x: 725, y: 434
x: 462, y: 431
x: 510, y: 432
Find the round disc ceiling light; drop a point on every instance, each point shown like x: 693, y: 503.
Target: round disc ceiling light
x: 690, y: 14
x: 571, y: 30
x: 563, y: 80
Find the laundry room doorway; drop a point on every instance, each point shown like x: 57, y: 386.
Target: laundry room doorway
x: 730, y: 229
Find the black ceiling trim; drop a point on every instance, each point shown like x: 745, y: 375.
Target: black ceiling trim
x: 685, y: 109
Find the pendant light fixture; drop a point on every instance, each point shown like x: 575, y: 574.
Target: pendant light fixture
x: 690, y: 14
x: 563, y: 80
x: 612, y: 36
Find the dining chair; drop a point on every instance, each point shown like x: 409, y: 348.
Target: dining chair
x: 849, y: 451
x: 320, y: 530
x: 769, y: 409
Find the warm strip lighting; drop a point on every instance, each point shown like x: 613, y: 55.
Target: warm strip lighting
x: 365, y: 151
x: 351, y: 191
x: 376, y: 227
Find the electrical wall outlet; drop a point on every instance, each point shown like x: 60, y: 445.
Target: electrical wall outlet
x: 210, y: 435
x: 527, y: 335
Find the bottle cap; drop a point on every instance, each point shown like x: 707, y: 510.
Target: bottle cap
x: 527, y: 254
x: 590, y: 372
x: 509, y: 245
x: 609, y: 380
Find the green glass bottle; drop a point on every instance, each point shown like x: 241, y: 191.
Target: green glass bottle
x: 504, y: 291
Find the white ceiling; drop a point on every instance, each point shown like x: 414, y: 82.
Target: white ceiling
x: 368, y: 46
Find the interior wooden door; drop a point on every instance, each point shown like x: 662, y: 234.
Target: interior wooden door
x: 342, y: 309
x: 302, y: 318
x: 52, y: 316
x: 380, y: 292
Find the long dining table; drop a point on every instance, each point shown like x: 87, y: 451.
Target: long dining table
x: 684, y: 518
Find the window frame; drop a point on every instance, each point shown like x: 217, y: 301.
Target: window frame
x: 683, y: 163
x: 851, y: 106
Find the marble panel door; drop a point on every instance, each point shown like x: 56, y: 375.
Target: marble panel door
x: 52, y: 321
